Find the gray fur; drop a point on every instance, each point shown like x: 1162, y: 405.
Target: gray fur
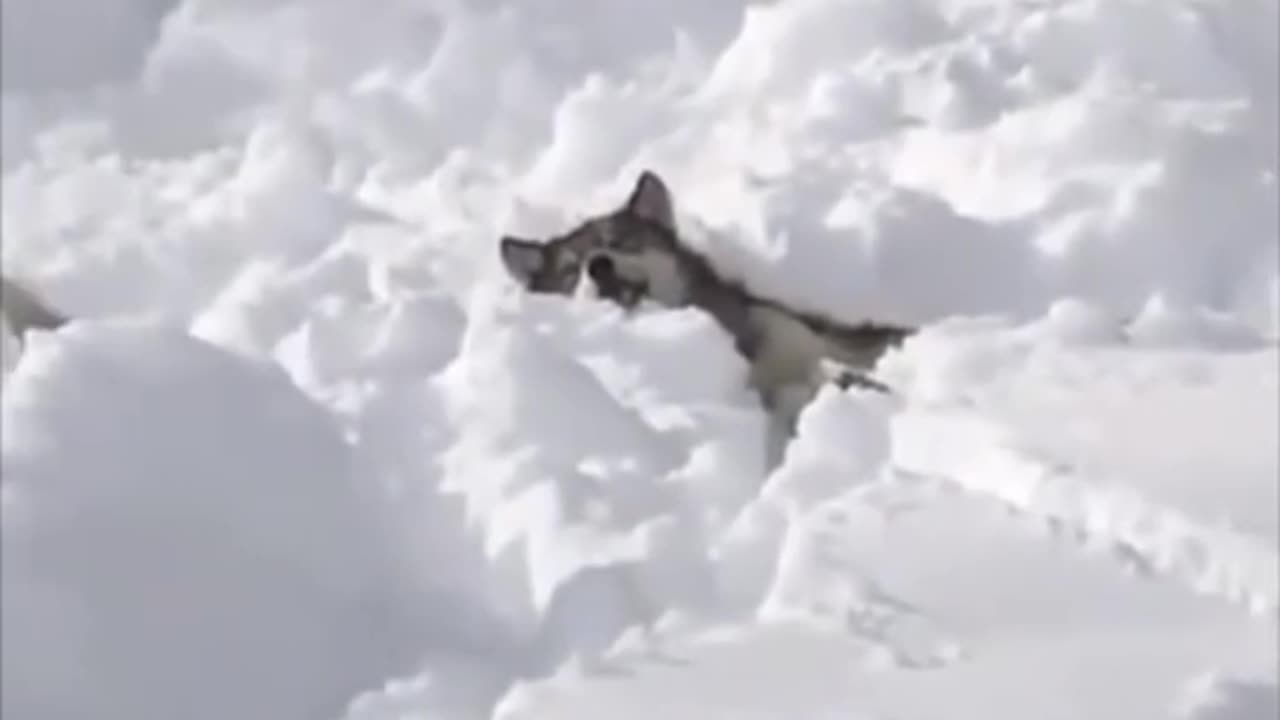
x: 635, y: 253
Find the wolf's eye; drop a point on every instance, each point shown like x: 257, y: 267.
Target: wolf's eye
x: 564, y: 275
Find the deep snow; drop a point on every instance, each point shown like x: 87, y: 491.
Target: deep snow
x: 306, y: 453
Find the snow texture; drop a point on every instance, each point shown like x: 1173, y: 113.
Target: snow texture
x: 306, y: 452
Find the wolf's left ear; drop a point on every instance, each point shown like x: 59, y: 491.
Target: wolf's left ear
x: 651, y: 200
x: 523, y: 258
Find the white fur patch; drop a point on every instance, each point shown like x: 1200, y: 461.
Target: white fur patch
x: 659, y: 271
x: 789, y: 351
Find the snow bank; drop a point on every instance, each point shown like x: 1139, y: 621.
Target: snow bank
x: 579, y: 486
x: 184, y: 536
x: 1047, y: 148
x: 100, y: 44
x: 1212, y: 697
x: 1076, y: 199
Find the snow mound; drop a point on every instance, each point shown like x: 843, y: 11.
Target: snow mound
x: 184, y: 536
x: 306, y: 451
x: 1213, y: 697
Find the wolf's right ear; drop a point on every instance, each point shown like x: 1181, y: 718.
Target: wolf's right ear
x: 523, y: 258
x: 651, y: 200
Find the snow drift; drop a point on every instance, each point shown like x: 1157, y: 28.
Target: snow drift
x: 306, y: 453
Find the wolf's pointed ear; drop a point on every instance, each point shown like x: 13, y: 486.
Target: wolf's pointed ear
x: 523, y: 258
x: 651, y: 200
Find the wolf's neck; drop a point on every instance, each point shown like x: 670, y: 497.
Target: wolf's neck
x: 726, y: 302
x: 730, y: 308
x: 731, y: 304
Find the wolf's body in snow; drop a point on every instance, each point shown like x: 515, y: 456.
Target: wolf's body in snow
x: 635, y: 253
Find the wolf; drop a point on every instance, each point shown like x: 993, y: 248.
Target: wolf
x: 23, y: 310
x: 635, y: 254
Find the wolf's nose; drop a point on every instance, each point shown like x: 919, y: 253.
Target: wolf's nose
x: 601, y: 269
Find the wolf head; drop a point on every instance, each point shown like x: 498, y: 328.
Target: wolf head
x: 626, y: 255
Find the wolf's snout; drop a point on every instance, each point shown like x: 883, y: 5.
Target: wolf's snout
x: 611, y: 284
x: 602, y: 270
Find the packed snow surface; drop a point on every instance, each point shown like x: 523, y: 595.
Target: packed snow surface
x: 306, y: 453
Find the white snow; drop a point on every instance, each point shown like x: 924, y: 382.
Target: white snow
x: 306, y: 453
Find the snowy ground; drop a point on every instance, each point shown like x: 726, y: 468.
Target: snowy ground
x: 307, y: 454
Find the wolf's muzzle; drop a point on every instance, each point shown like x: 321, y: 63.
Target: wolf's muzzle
x: 602, y: 270
x: 611, y: 285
